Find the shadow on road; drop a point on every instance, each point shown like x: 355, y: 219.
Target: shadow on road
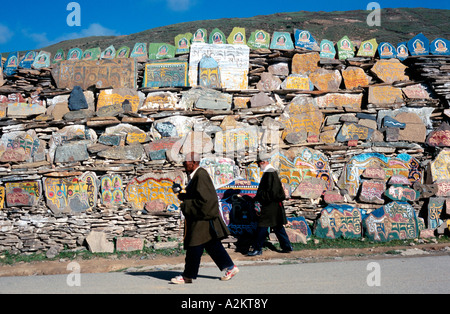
x: 165, y: 275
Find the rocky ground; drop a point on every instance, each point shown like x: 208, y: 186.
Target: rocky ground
x: 112, y: 263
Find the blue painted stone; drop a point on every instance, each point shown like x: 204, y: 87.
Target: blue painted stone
x: 387, y: 51
x: 300, y: 224
x: 419, y: 45
x: 440, y: 46
x: 304, y: 39
x: 28, y: 60
x: 390, y: 122
x: 11, y: 64
x: 339, y: 221
x: 157, y: 154
x: 166, y: 129
x: 77, y: 101
x: 112, y: 140
x: 393, y: 221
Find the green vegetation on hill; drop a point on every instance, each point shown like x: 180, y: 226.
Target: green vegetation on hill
x: 397, y: 25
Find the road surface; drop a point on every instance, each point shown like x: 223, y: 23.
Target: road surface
x: 398, y: 275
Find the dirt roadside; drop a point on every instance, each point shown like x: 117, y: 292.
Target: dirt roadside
x: 104, y: 265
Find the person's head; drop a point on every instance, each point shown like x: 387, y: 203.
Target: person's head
x: 263, y: 161
x: 191, y: 162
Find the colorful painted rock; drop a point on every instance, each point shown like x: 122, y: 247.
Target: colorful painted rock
x: 345, y: 48
x: 299, y: 224
x: 419, y: 45
x: 109, y: 53
x: 304, y: 40
x: 237, y: 36
x: 402, y: 51
x: 403, y: 164
x: 386, y: 51
x: 390, y: 71
x: 352, y: 131
x: 223, y: 171
x: 259, y: 39
x: 28, y: 60
x: 327, y: 49
x: 372, y: 191
x: 42, y: 60
x: 368, y: 48
x: 339, y: 221
x: 281, y: 41
x: 71, y: 194
x: 170, y: 73
x: 209, y: 73
x: 23, y: 193
x: 217, y: 37
x: 161, y: 51
x: 92, y: 54
x: 75, y: 54
x: 397, y: 192
x: 59, y: 56
x: 389, y: 122
x: 11, y: 64
x: 111, y: 190
x: 153, y: 192
x: 123, y: 52
x: 394, y: 221
x: 440, y: 46
x: 440, y: 137
x: 435, y: 208
x: 200, y: 36
x: 183, y: 43
x: 139, y: 51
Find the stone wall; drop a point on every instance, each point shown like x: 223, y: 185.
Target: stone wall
x: 76, y: 160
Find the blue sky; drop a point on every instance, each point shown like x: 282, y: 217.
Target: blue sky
x: 31, y: 24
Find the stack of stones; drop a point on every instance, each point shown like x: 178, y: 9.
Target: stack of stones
x: 75, y: 161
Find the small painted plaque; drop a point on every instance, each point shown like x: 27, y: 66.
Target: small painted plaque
x: 440, y: 46
x: 42, y: 60
x: 345, y: 48
x: 109, y: 53
x: 28, y: 60
x: 161, y: 51
x: 200, y: 36
x: 74, y: 54
x: 419, y: 45
x: 11, y: 64
x: 386, y: 51
x: 368, y: 48
x: 304, y: 39
x: 139, y: 51
x: 92, y: 54
x: 237, y: 36
x: 59, y: 56
x: 327, y: 49
x: 123, y: 52
x: 259, y: 39
x: 183, y: 43
x: 282, y: 41
x: 402, y: 51
x: 217, y: 37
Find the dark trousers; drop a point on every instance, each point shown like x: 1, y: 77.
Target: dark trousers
x: 262, y: 233
x: 194, y: 254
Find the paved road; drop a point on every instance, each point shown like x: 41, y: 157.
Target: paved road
x: 406, y: 275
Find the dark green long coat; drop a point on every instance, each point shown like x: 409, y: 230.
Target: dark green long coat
x: 201, y: 210
x: 271, y: 195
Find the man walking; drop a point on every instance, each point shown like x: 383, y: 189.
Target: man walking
x: 204, y: 226
x: 270, y: 195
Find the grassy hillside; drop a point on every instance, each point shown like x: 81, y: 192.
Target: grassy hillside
x: 397, y: 25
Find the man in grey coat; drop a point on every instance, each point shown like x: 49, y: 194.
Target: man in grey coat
x: 204, y: 226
